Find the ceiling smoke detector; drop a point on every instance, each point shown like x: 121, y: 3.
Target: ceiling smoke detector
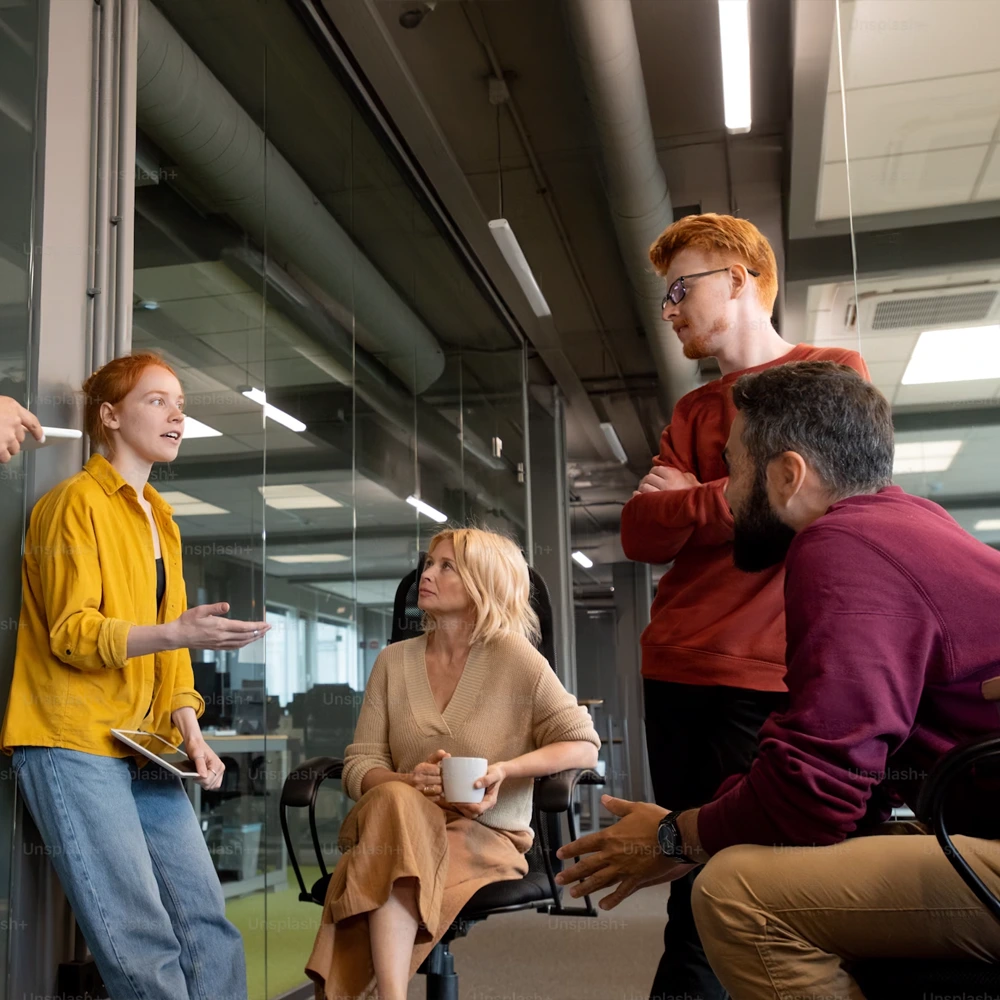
x: 413, y: 17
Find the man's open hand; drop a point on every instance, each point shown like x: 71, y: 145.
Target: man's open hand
x: 627, y: 854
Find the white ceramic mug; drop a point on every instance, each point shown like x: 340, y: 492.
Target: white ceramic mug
x: 459, y: 774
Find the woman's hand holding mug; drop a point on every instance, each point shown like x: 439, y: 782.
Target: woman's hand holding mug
x: 491, y: 781
x: 426, y: 777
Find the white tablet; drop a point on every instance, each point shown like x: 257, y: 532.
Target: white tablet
x: 52, y: 435
x: 175, y: 760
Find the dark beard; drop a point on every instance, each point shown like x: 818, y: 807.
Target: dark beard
x: 760, y: 538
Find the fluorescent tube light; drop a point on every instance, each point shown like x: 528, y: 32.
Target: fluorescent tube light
x: 734, y: 35
x: 315, y: 557
x: 279, y: 416
x: 426, y: 508
x: 512, y: 253
x: 582, y: 560
x: 955, y: 356
x: 614, y: 443
x: 194, y: 429
x: 185, y: 505
x: 990, y: 524
x: 924, y: 456
x: 296, y: 497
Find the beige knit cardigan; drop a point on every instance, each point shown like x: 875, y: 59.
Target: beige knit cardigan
x: 508, y: 702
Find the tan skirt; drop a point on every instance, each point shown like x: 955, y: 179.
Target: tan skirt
x: 395, y: 832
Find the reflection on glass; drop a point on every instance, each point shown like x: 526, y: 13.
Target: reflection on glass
x: 18, y: 67
x: 340, y: 364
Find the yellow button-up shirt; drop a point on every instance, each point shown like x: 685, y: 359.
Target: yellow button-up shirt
x: 89, y: 575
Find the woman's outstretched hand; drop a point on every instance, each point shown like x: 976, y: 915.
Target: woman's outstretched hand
x: 426, y: 777
x: 491, y: 781
x: 204, y: 627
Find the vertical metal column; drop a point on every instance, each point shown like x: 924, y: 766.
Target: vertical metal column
x: 633, y: 596
x: 550, y: 521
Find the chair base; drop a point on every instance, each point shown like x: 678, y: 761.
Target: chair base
x: 439, y: 968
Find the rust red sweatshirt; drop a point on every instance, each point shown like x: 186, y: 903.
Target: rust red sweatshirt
x: 710, y: 623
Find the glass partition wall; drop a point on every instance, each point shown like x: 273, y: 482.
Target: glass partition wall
x: 349, y: 390
x: 920, y: 190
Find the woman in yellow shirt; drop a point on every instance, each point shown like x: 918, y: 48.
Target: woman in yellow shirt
x: 103, y: 642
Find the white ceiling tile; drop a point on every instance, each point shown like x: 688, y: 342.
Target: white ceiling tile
x: 891, y: 41
x: 899, y: 183
x: 989, y: 188
x: 882, y: 348
x: 914, y: 117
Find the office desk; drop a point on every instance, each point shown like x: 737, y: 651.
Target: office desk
x: 253, y: 746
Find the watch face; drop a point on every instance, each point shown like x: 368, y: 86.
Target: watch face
x: 667, y: 835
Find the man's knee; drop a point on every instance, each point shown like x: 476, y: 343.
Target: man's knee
x: 722, y: 897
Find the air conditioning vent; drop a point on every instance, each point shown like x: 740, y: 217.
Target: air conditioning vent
x: 928, y: 312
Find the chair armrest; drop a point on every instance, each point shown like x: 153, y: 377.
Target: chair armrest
x: 951, y: 766
x: 300, y: 790
x: 931, y: 806
x: 555, y: 793
x: 303, y: 783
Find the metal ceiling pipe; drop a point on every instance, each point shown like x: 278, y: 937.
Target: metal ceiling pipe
x: 187, y: 111
x: 606, y: 47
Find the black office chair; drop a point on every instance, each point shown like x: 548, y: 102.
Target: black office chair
x: 553, y: 797
x: 406, y: 616
x: 909, y: 979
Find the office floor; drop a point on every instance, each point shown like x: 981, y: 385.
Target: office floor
x: 279, y: 930
x: 517, y: 956
x: 529, y: 956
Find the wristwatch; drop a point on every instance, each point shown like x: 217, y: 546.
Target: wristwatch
x: 669, y: 836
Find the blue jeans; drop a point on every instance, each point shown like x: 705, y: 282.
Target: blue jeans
x: 133, y: 863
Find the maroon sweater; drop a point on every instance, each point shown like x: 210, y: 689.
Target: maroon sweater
x: 891, y: 625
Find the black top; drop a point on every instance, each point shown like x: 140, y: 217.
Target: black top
x: 161, y: 582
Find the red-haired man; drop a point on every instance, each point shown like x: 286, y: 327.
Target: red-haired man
x: 713, y: 654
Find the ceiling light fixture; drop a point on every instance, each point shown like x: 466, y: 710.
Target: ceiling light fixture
x: 194, y: 429
x: 516, y: 261
x: 924, y: 456
x: 185, y: 505
x: 734, y: 36
x: 426, y: 508
x: 614, y: 442
x: 313, y: 557
x: 296, y: 497
x: 944, y: 356
x: 278, y: 416
x: 581, y: 560
x: 990, y: 524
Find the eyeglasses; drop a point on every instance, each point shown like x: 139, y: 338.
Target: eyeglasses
x: 678, y: 289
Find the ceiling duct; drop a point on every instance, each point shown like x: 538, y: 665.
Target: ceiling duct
x: 606, y: 47
x: 187, y: 111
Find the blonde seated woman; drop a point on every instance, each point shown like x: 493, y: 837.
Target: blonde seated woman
x: 472, y: 686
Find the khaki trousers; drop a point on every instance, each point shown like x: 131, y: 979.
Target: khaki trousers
x: 777, y: 922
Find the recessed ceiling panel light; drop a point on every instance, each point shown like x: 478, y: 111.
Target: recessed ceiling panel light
x: 185, y: 505
x: 924, y: 456
x: 313, y: 557
x: 194, y: 429
x: 585, y: 561
x: 990, y: 524
x: 954, y: 356
x: 296, y: 497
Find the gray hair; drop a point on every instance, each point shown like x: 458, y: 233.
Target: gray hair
x: 829, y: 414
